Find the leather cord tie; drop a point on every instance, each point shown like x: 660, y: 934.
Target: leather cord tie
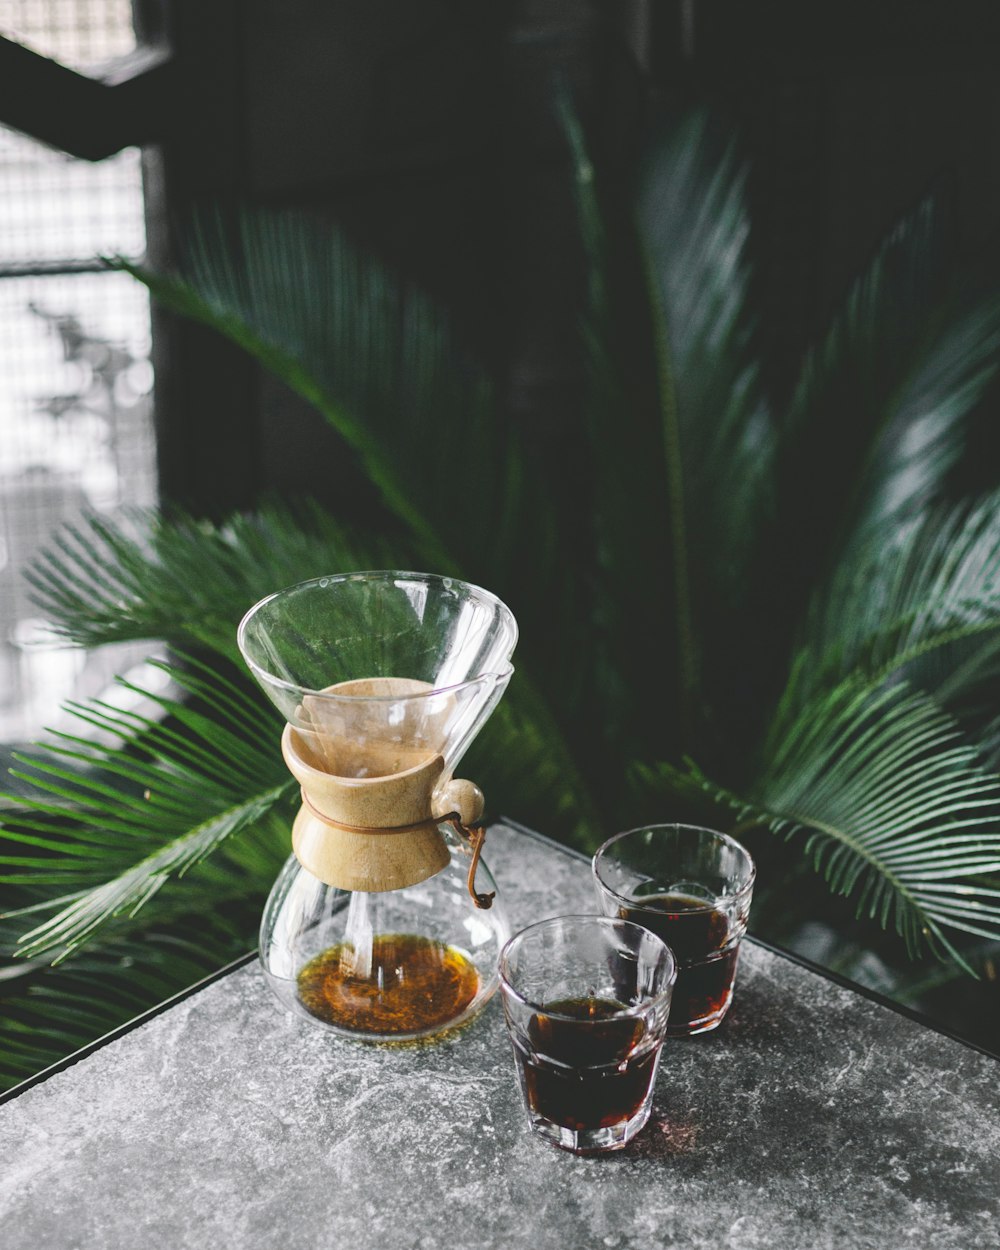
x: 473, y: 835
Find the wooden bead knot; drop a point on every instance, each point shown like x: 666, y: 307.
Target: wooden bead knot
x: 462, y: 797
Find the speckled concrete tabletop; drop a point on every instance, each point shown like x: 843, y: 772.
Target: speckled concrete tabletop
x: 813, y: 1119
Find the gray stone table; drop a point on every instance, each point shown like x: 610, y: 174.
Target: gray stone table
x: 814, y: 1118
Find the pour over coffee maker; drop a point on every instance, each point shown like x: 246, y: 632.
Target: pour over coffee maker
x: 385, y: 922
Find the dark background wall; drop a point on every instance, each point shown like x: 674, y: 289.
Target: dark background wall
x: 426, y: 130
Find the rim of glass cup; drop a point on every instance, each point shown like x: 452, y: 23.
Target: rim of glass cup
x: 707, y: 905
x: 604, y: 922
x: 492, y: 675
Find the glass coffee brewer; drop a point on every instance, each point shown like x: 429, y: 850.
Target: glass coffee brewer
x: 384, y: 923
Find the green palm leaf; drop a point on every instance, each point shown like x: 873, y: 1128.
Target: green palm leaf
x: 628, y: 596
x: 989, y: 743
x: 374, y: 358
x: 880, y: 403
x: 934, y: 586
x: 695, y: 229
x: 673, y: 530
x: 895, y: 810
x: 718, y: 437
x: 143, y: 813
x: 187, y: 581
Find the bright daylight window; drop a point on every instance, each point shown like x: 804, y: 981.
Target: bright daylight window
x: 75, y: 376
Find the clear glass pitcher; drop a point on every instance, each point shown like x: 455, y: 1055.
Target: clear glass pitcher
x: 385, y: 922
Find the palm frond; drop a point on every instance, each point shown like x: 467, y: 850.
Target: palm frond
x: 895, y: 810
x: 183, y: 580
x: 379, y: 361
x: 697, y: 441
x: 932, y: 587
x: 717, y: 432
x: 631, y: 593
x: 881, y: 402
x: 694, y: 228
x: 989, y: 743
x: 115, y: 823
x: 373, y: 357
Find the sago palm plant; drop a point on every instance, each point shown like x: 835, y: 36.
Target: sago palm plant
x: 768, y: 614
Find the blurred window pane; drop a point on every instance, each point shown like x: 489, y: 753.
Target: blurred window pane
x: 83, y: 34
x: 75, y: 373
x: 55, y: 208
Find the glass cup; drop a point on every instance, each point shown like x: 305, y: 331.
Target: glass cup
x: 692, y: 888
x: 586, y: 1001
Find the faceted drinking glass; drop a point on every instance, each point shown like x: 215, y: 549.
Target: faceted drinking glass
x: 692, y: 888
x: 586, y: 1001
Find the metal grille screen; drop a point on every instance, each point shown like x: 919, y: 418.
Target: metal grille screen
x: 75, y: 377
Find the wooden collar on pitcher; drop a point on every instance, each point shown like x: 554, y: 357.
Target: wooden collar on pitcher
x: 474, y: 835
